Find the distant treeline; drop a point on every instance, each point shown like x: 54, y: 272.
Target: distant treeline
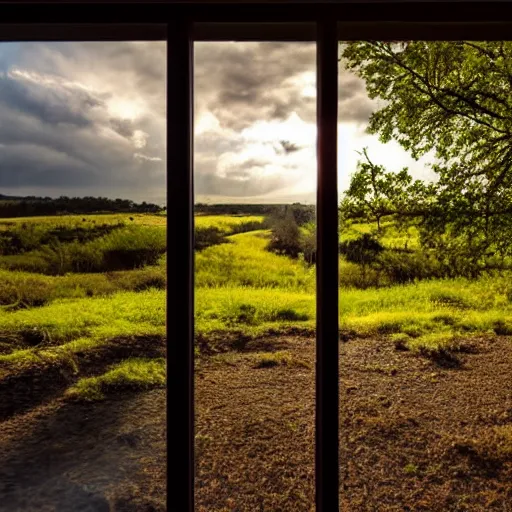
x: 305, y: 210
x: 34, y: 206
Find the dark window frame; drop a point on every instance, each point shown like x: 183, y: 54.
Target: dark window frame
x: 181, y: 23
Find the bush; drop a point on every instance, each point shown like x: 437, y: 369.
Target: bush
x: 352, y: 275
x: 207, y: 236
x: 286, y: 237
x: 403, y: 267
x: 363, y: 250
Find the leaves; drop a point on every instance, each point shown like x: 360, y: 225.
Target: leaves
x: 455, y: 99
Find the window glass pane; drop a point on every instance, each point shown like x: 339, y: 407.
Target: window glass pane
x: 255, y: 186
x: 82, y: 273
x: 425, y: 275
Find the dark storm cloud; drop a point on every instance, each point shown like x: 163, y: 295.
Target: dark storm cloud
x: 353, y: 102
x: 242, y: 83
x: 57, y: 129
x: 245, y: 82
x: 232, y: 186
x: 52, y: 105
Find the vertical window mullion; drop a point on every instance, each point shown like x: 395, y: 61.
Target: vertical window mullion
x: 327, y: 329
x: 180, y: 268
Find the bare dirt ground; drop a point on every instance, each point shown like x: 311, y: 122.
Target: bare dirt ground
x: 415, y: 435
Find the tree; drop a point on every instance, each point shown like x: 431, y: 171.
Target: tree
x: 308, y: 242
x: 454, y: 99
x: 375, y: 192
x: 286, y: 236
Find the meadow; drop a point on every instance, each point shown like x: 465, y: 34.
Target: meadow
x: 82, y: 321
x: 73, y: 296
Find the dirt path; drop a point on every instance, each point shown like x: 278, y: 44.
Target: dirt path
x: 416, y: 435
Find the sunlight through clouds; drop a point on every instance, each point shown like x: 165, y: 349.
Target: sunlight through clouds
x: 102, y: 106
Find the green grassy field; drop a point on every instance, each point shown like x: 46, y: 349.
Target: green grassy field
x: 240, y: 288
x: 228, y: 223
x: 393, y: 237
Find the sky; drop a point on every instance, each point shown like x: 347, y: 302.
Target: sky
x: 83, y: 119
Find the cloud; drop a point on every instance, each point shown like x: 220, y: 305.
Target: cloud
x: 241, y: 83
x: 76, y: 115
x: 91, y: 117
x: 140, y: 156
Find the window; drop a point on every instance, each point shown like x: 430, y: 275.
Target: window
x: 357, y: 21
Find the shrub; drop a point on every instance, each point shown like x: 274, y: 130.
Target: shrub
x: 208, y: 236
x: 403, y: 267
x: 286, y: 237
x: 352, y: 275
x: 363, y: 250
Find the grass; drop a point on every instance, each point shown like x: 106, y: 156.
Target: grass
x: 245, y: 262
x: 252, y: 291
x: 145, y: 219
x: 230, y: 224
x: 75, y: 325
x: 240, y: 288
x: 391, y: 236
x: 134, y: 373
x: 126, y: 248
x: 24, y: 289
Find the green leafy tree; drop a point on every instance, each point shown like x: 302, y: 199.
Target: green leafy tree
x: 375, y: 192
x: 308, y: 242
x: 453, y: 99
x: 286, y: 236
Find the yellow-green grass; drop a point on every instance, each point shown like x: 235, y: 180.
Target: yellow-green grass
x: 226, y: 223
x: 245, y: 262
x: 73, y: 325
x: 223, y: 222
x: 134, y: 373
x: 391, y: 236
x: 241, y: 287
x: 131, y: 241
x: 27, y: 289
x: 437, y: 309
x: 147, y: 219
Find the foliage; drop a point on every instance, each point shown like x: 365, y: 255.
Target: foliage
x: 35, y: 206
x: 374, y: 193
x: 363, y: 250
x: 453, y: 99
x: 286, y: 236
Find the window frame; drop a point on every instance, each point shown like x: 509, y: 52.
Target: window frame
x: 325, y: 21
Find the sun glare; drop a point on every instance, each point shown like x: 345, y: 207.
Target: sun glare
x: 125, y: 109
